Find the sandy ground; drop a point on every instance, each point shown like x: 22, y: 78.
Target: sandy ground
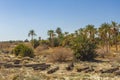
x: 28, y: 73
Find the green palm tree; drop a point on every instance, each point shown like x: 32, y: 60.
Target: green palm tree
x: 104, y: 35
x: 76, y: 33
x: 115, y: 33
x: 60, y: 36
x: 32, y: 34
x: 51, y: 34
x: 66, y: 33
x: 91, y: 32
x: 68, y: 39
x: 59, y: 31
x: 82, y: 33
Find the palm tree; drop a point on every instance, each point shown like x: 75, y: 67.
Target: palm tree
x: 32, y: 34
x: 91, y: 31
x: 68, y: 39
x: 104, y: 35
x: 115, y: 31
x: 59, y: 31
x: 51, y: 34
x: 76, y: 33
x: 60, y: 36
x: 82, y: 33
x: 66, y: 33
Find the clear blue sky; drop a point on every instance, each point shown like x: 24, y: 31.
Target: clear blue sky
x: 17, y: 17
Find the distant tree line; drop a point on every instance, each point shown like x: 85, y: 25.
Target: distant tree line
x: 83, y: 41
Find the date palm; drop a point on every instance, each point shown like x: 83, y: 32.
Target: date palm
x: 82, y: 33
x: 51, y: 34
x: 32, y: 34
x: 104, y: 35
x: 59, y: 31
x: 60, y: 36
x: 115, y: 33
x: 91, y: 32
x: 66, y: 33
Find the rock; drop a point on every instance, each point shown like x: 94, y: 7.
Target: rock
x: 89, y: 70
x: 5, y: 51
x: 12, y: 65
x: 110, y: 70
x: 42, y: 67
x: 70, y: 66
x: 82, y: 69
x: 117, y: 72
x: 17, y: 61
x: 53, y: 70
x: 2, y: 64
x: 34, y: 65
x: 27, y: 58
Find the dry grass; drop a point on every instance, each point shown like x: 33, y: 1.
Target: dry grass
x: 110, y: 54
x: 61, y: 54
x: 39, y: 49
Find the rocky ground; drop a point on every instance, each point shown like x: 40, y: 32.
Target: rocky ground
x: 12, y: 68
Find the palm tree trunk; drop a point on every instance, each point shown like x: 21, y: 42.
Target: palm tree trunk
x: 116, y: 43
x: 109, y: 43
x: 32, y: 41
x: 106, y: 43
x: 52, y: 41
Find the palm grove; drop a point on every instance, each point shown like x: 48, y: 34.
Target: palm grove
x: 83, y: 41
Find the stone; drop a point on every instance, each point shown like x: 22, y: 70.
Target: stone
x: 42, y: 67
x: 82, y: 69
x: 111, y: 70
x: 70, y: 67
x: 53, y: 70
x: 117, y: 72
x: 17, y: 61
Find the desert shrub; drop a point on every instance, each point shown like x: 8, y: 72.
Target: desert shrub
x: 83, y: 48
x: 41, y: 48
x: 23, y: 50
x: 61, y: 54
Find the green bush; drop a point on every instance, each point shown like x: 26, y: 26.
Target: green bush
x: 84, y: 49
x: 23, y: 50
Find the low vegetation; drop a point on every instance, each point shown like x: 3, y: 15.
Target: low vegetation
x: 23, y: 50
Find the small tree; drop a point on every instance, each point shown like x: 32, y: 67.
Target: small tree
x: 23, y: 50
